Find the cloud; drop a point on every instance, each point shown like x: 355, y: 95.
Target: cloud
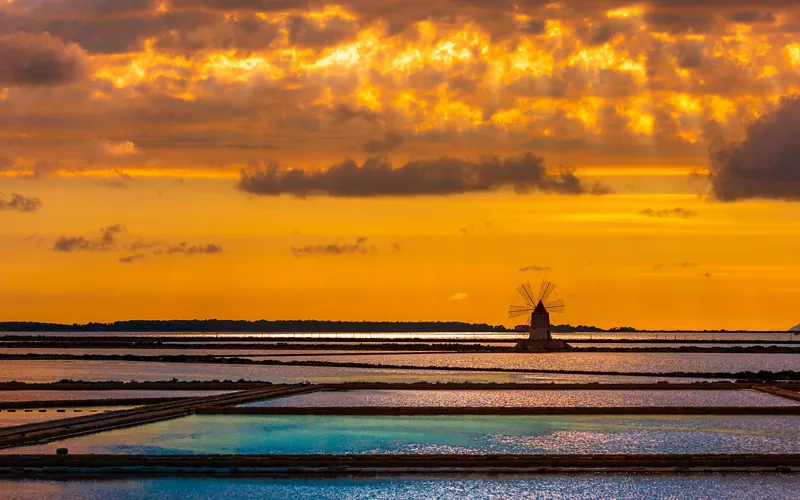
x: 674, y: 213
x: 109, y: 241
x: 442, y: 176
x: 535, y: 268
x: 20, y: 203
x: 121, y: 181
x: 765, y: 164
x: 32, y: 60
x: 31, y: 170
x: 676, y: 265
x: 103, y: 243
x: 459, y: 296
x: 343, y: 113
x: 6, y: 163
x: 389, y: 142
x: 306, y: 32
x: 751, y: 17
x: 130, y: 259
x: 207, y: 83
x: 186, y: 249
x: 357, y: 248
x: 105, y: 152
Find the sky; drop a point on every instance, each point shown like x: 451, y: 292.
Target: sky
x: 400, y: 160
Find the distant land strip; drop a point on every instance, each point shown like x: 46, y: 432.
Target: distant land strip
x: 313, y: 326
x: 276, y: 326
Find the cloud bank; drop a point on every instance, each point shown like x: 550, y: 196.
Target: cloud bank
x: 442, y: 176
x: 766, y: 164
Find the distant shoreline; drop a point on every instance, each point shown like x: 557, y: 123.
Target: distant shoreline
x: 316, y: 326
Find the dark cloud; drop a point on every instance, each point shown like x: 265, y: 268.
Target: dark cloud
x: 442, y: 176
x: 535, y: 268
x: 343, y: 113
x: 605, y: 32
x: 181, y: 32
x: 534, y: 27
x: 306, y: 32
x: 391, y: 141
x: 20, y: 203
x: 765, y: 164
x: 105, y: 242
x: 359, y: 247
x: 130, y: 259
x: 244, y: 5
x: 674, y: 213
x: 679, y: 22
x: 85, y: 8
x: 33, y: 60
x: 186, y: 249
x: 137, y: 251
x: 751, y: 17
x: 690, y: 53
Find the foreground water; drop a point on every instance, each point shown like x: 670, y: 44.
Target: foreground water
x: 43, y: 371
x: 577, y: 486
x: 651, y: 362
x: 475, y: 435
x: 527, y: 398
x: 623, y: 362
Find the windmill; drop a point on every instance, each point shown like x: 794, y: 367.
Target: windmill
x: 539, y: 307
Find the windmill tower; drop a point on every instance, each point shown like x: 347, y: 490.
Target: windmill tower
x: 539, y: 306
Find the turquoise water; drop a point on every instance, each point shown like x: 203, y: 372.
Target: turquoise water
x: 256, y: 434
x: 711, y: 486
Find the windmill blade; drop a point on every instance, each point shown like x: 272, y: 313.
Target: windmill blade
x: 556, y: 306
x: 526, y: 291
x: 546, y: 289
x: 515, y: 311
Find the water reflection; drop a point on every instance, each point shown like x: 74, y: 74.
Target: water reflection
x: 443, y: 434
x: 141, y: 371
x: 573, y: 486
x: 528, y: 398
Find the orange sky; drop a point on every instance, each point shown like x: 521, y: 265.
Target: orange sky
x: 182, y: 159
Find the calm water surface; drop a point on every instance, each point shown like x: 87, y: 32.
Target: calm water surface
x: 583, y: 486
x: 255, y: 434
x: 651, y: 362
x: 141, y: 371
x: 524, y: 398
